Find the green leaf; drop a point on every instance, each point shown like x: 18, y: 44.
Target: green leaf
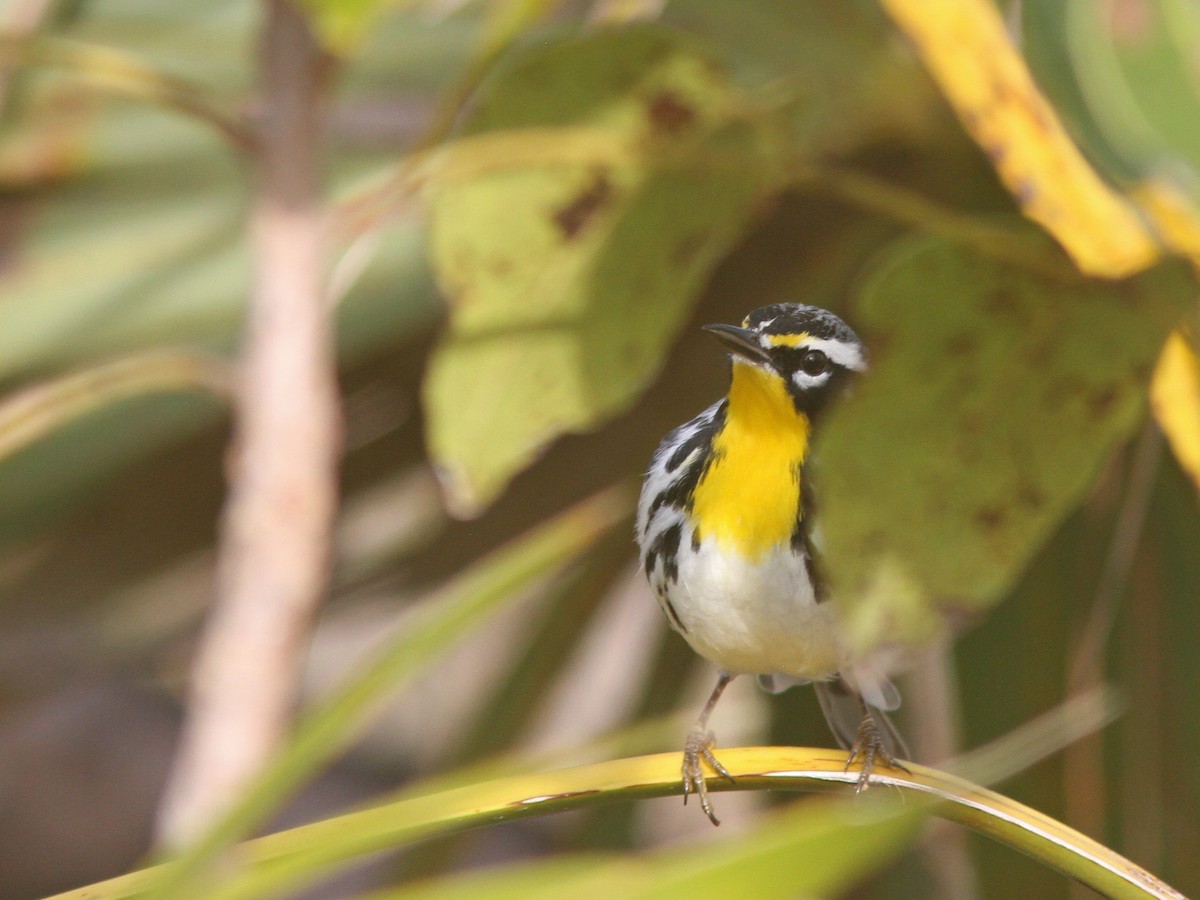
x: 817, y: 848
x: 567, y: 277
x: 994, y: 399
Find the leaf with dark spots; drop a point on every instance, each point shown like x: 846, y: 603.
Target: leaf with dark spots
x: 580, y: 269
x: 686, y: 250
x: 981, y: 424
x: 668, y: 112
x: 963, y: 344
x: 575, y: 216
x: 1029, y: 496
x: 1000, y: 301
x: 990, y: 517
x: 1100, y: 402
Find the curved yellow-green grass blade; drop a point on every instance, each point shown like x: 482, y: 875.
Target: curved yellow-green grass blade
x: 123, y: 74
x: 279, y: 861
x: 34, y: 412
x: 816, y: 848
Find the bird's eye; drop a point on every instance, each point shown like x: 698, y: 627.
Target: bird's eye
x: 814, y: 363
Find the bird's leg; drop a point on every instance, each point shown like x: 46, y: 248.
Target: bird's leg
x: 869, y: 745
x: 699, y: 746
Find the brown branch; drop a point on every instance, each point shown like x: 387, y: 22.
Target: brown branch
x: 273, y: 563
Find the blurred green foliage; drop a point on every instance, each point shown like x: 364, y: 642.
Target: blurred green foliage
x: 997, y: 398
x: 567, y: 160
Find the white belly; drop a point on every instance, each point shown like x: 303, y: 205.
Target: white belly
x: 755, y: 618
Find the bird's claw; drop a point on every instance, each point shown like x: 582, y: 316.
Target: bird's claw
x: 869, y: 746
x: 698, y: 749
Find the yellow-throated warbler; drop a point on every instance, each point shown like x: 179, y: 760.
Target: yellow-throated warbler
x: 725, y: 525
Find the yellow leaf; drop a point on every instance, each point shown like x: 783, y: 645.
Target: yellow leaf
x: 1173, y: 216
x: 1175, y: 399
x: 1175, y: 387
x: 967, y: 50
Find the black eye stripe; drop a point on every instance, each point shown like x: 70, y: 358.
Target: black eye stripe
x: 796, y: 359
x: 788, y: 357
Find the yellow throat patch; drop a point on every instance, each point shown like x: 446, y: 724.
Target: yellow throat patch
x: 749, y: 498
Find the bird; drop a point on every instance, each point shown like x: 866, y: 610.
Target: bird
x: 728, y: 537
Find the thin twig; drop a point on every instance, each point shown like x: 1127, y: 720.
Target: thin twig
x: 1087, y: 666
x: 1083, y: 775
x: 119, y: 72
x: 36, y: 411
x: 1146, y: 788
x: 1027, y: 251
x: 273, y: 563
x: 934, y: 716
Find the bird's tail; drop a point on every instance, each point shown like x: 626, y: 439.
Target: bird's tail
x: 844, y: 708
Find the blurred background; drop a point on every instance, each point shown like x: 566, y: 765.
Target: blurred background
x: 122, y: 227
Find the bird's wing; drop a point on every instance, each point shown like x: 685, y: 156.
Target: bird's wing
x: 675, y: 470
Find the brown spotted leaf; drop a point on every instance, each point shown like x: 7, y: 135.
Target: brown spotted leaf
x: 617, y: 168
x: 994, y: 399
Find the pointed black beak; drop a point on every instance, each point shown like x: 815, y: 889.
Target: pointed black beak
x: 741, y: 341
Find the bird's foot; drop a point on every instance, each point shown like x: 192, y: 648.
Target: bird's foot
x: 869, y: 747
x: 698, y: 750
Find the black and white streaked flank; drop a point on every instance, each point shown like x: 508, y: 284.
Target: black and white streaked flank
x: 667, y: 492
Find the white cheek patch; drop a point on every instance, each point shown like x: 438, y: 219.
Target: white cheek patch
x: 849, y: 356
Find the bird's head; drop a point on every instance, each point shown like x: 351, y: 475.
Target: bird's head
x: 810, y: 349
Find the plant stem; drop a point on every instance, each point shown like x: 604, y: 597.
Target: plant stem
x: 273, y: 555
